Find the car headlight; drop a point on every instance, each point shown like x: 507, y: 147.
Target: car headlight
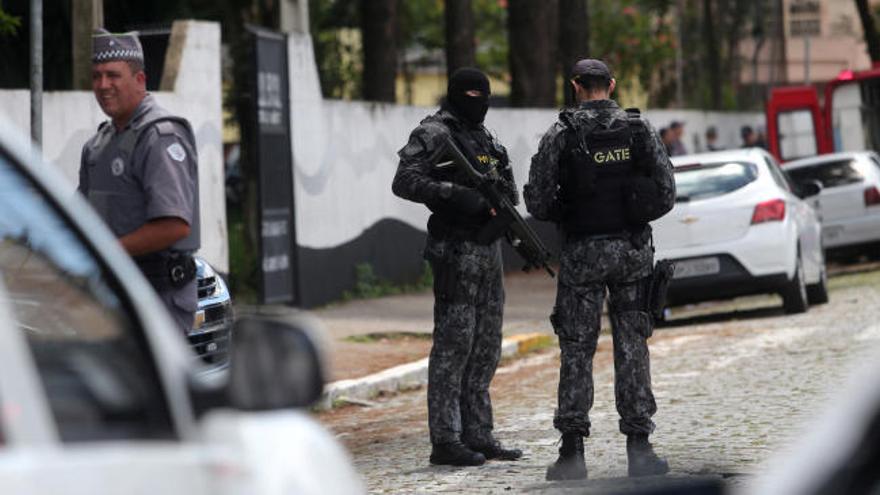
x: 210, y: 283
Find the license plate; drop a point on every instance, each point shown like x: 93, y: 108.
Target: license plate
x: 696, y: 268
x: 832, y: 232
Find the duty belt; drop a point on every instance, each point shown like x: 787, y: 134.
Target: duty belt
x: 167, y: 270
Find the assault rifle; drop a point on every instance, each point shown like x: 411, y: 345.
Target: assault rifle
x: 507, y: 221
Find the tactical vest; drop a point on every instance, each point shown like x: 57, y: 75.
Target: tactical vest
x: 486, y: 152
x: 100, y: 188
x: 597, y: 169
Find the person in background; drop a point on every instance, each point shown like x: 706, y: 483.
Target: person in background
x: 676, y: 147
x: 712, y: 139
x: 666, y: 139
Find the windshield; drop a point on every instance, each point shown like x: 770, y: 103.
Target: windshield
x: 830, y: 174
x: 714, y: 179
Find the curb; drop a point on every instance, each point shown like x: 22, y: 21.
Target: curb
x: 412, y: 375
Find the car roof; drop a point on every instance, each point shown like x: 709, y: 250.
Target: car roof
x: 830, y: 157
x: 754, y: 155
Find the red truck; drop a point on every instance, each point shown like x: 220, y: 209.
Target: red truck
x: 848, y: 118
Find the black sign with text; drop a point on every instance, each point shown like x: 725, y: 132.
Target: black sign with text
x: 271, y: 103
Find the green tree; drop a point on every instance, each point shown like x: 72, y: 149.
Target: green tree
x: 637, y: 40
x: 338, y: 54
x: 9, y: 24
x: 532, y: 29
x: 379, y: 36
x: 872, y: 38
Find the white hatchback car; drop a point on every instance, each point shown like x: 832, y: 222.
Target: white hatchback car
x: 738, y: 227
x: 849, y: 204
x: 100, y: 394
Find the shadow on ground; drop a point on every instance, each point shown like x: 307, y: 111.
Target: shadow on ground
x: 736, y: 314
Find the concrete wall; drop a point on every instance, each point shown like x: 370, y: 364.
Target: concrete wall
x: 71, y: 117
x: 345, y: 156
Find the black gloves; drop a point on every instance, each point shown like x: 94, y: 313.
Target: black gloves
x: 468, y: 201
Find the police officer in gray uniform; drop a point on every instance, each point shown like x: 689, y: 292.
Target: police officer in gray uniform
x: 468, y: 291
x: 601, y: 173
x: 140, y: 174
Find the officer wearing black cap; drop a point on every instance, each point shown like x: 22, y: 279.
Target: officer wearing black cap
x: 468, y: 290
x: 140, y: 174
x: 601, y: 173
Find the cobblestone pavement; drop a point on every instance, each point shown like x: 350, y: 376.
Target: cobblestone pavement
x: 729, y: 393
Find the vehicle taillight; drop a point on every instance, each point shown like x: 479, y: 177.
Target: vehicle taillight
x: 769, y: 211
x: 872, y: 196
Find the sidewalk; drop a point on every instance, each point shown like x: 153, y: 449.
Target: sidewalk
x: 375, y: 346
x: 355, y: 330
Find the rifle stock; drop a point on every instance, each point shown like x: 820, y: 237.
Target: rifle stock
x: 507, y: 220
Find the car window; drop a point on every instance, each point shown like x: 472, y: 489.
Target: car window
x: 91, y: 357
x: 831, y: 174
x: 713, y: 179
x: 779, y: 177
x: 876, y: 162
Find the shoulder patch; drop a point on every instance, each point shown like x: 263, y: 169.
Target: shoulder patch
x: 176, y: 152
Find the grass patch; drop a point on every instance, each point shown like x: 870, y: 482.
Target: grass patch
x: 372, y: 338
x: 243, y: 276
x: 370, y: 286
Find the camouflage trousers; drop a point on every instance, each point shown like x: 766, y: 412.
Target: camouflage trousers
x: 588, y: 266
x: 468, y: 305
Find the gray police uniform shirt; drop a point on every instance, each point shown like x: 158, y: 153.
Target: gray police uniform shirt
x: 145, y: 171
x: 156, y: 177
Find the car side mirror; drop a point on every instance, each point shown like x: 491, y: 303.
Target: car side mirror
x: 809, y: 188
x: 274, y: 364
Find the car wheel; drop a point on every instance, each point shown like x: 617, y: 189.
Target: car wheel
x: 818, y: 292
x: 794, y: 294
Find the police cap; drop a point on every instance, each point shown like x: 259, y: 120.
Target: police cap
x: 108, y: 47
x: 590, y: 67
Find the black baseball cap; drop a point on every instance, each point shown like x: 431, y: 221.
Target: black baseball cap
x: 590, y: 67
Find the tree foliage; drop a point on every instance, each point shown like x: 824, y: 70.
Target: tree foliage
x: 637, y: 39
x: 9, y: 24
x: 872, y: 38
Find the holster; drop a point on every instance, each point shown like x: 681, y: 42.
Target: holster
x: 659, y: 285
x: 170, y: 270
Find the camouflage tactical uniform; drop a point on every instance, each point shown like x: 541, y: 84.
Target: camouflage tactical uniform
x: 589, y: 264
x: 468, y: 290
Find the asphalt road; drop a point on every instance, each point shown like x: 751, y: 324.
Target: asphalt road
x: 735, y: 382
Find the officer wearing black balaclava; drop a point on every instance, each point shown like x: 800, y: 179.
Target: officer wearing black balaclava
x: 468, y: 285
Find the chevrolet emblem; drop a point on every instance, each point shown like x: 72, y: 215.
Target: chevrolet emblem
x: 689, y: 219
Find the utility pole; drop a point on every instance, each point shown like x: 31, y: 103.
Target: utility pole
x: 679, y: 57
x: 295, y: 16
x: 37, y: 71
x: 87, y: 15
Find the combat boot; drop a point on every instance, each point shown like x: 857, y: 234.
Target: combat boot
x: 642, y: 461
x: 493, y: 449
x: 571, y: 464
x: 455, y: 454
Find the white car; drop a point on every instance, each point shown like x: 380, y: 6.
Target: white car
x: 849, y: 204
x: 99, y: 393
x: 739, y: 228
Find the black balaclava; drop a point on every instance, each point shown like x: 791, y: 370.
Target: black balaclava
x: 470, y: 108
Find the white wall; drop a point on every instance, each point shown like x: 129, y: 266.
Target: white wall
x: 345, y: 153
x: 71, y: 117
